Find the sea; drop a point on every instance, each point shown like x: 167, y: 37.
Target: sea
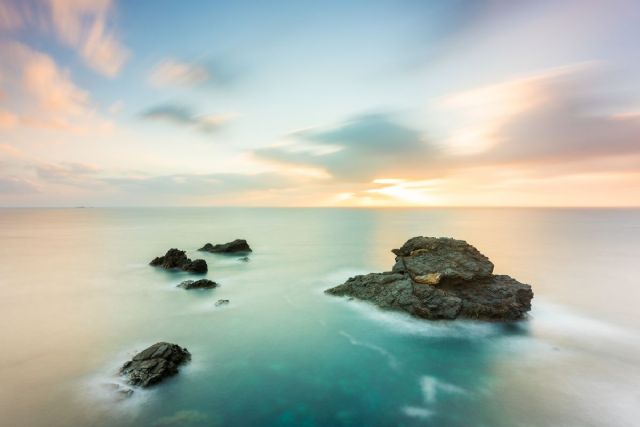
x: 78, y: 298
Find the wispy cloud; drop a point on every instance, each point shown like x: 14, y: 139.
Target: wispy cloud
x: 183, y: 116
x: 85, y: 26
x: 194, y: 73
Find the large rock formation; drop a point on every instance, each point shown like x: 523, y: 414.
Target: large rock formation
x: 154, y: 364
x: 198, y: 284
x: 177, y: 259
x: 442, y: 278
x: 238, y: 245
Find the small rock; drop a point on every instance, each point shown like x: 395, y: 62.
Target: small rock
x: 222, y: 302
x: 177, y: 259
x: 238, y: 245
x: 198, y: 284
x: 154, y: 364
x: 244, y: 259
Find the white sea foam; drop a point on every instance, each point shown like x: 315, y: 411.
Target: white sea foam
x: 432, y: 388
x: 391, y: 359
x: 406, y: 324
x: 417, y: 412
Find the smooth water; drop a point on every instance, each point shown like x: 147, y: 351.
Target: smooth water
x: 78, y: 298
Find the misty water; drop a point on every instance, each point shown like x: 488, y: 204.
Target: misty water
x: 78, y: 299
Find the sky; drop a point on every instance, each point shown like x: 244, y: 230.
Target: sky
x: 306, y: 103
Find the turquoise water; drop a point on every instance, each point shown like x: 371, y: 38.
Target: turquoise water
x: 78, y: 299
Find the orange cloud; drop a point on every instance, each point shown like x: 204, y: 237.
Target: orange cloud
x: 43, y: 95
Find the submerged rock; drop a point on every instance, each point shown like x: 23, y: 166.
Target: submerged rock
x: 177, y: 259
x: 222, y: 302
x: 154, y: 364
x: 238, y: 245
x: 441, y: 278
x: 198, y: 284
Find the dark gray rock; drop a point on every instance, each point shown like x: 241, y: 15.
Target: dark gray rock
x: 448, y: 279
x: 222, y: 302
x: 154, y: 364
x: 177, y: 259
x: 198, y: 284
x: 432, y: 261
x: 238, y: 245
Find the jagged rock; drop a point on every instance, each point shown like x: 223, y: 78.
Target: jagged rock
x: 198, y: 284
x: 431, y: 260
x: 441, y: 279
x: 154, y: 364
x: 238, y: 245
x: 222, y: 302
x: 177, y: 259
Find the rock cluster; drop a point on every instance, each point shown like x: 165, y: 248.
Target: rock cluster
x: 238, y: 245
x: 198, y: 284
x: 154, y: 364
x: 442, y: 278
x: 177, y: 259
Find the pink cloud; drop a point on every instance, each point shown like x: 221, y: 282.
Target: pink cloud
x: 43, y: 95
x: 83, y: 25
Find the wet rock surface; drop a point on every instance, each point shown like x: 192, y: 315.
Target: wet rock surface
x: 238, y: 245
x: 198, y: 284
x: 177, y: 259
x: 441, y: 278
x: 154, y: 364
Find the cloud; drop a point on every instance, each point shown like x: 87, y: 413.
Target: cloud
x: 66, y: 172
x: 358, y: 150
x: 180, y: 73
x: 42, y: 95
x: 199, y: 184
x: 16, y: 185
x: 83, y: 25
x: 172, y: 72
x: 8, y: 120
x: 505, y: 144
x: 184, y: 116
x: 551, y: 117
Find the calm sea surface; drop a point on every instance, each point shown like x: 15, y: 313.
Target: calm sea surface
x: 78, y: 298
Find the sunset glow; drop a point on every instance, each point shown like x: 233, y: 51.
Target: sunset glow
x: 458, y: 107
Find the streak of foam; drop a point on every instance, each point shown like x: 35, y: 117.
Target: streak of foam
x: 431, y: 388
x: 417, y: 412
x: 391, y: 359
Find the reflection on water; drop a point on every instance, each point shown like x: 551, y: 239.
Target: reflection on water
x: 78, y: 299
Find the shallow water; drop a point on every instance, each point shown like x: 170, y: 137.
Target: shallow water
x: 78, y: 298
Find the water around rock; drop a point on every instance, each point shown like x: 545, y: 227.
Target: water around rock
x: 442, y: 278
